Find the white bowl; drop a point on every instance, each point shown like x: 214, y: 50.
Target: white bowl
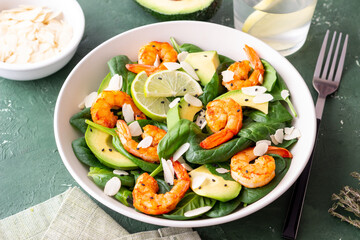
x: 88, y: 74
x: 72, y: 14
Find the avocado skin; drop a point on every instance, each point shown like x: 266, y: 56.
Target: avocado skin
x: 201, y: 15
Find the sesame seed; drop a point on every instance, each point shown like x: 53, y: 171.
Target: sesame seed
x: 110, y: 149
x: 180, y: 106
x: 188, y: 104
x: 200, y: 122
x: 159, y: 78
x: 256, y: 89
x: 151, y: 197
x: 138, y: 115
x: 231, y: 84
x: 137, y: 148
x: 102, y: 149
x: 90, y: 130
x: 225, y: 185
x: 213, y: 180
x: 238, y: 110
x: 143, y: 184
x: 246, y: 171
x: 189, y: 175
x: 153, y: 45
x: 246, y: 99
x: 162, y: 101
x: 200, y: 187
x: 196, y: 69
x: 196, y: 95
x: 184, y: 89
x: 205, y: 55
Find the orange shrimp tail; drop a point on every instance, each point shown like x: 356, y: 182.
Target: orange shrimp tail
x: 149, y: 69
x: 216, y: 139
x: 180, y: 171
x: 123, y: 130
x: 254, y: 59
x: 283, y: 152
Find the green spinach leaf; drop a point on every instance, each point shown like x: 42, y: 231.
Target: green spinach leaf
x: 269, y: 76
x: 104, y: 83
x: 78, y: 120
x: 221, y: 209
x: 84, y: 154
x: 190, y: 201
x: 258, y: 131
x: 277, y: 114
x: 125, y: 196
x: 190, y: 48
x: 100, y: 176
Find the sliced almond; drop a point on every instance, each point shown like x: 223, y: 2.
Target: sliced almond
x: 128, y: 113
x: 254, y: 90
x: 289, y: 130
x: 273, y: 139
x: 264, y: 141
x: 174, y: 102
x: 263, y: 98
x: 172, y: 66
x: 222, y: 170
x: 115, y: 83
x: 194, y: 101
x: 284, y: 94
x: 135, y: 129
x: 157, y: 61
x: 146, y: 142
x: 197, y: 181
x: 181, y: 56
x: 189, y: 70
x: 120, y: 172
x: 279, y: 135
x: 88, y: 100
x: 112, y: 186
x: 294, y: 134
x: 227, y: 75
x: 181, y: 150
x: 168, y: 176
x: 260, y: 149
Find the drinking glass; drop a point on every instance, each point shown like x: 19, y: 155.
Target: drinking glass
x: 282, y: 24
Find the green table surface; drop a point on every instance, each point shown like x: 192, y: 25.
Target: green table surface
x: 31, y: 170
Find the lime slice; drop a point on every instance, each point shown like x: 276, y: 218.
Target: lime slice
x: 171, y: 84
x: 153, y: 107
x: 264, y: 24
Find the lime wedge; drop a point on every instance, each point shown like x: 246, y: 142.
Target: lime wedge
x: 153, y: 107
x: 264, y: 24
x: 171, y: 84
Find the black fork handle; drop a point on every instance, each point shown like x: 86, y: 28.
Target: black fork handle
x: 293, y: 216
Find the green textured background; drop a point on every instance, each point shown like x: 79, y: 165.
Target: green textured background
x: 31, y: 170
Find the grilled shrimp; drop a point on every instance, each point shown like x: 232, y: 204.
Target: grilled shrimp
x: 101, y: 109
x: 258, y: 174
x: 148, y: 154
x: 241, y: 71
x: 146, y: 199
x: 224, y: 117
x: 148, y: 54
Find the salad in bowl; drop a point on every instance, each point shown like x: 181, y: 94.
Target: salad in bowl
x: 181, y: 129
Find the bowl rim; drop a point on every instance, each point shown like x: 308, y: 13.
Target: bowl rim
x: 263, y: 202
x: 68, y: 49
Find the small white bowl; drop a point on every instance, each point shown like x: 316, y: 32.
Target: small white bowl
x: 88, y: 74
x: 72, y: 14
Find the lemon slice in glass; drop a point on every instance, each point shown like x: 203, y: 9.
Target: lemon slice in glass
x: 153, y: 107
x: 265, y: 24
x: 171, y: 84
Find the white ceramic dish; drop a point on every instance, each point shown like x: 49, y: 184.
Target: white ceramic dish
x: 88, y: 74
x: 71, y: 13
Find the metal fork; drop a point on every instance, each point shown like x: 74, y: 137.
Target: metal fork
x: 324, y: 85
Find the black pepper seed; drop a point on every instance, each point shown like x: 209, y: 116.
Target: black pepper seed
x: 102, y: 149
x: 213, y: 180
x: 162, y: 102
x: 110, y: 149
x: 238, y: 110
x: 225, y: 185
x: 143, y: 184
x: 231, y: 84
x: 246, y: 99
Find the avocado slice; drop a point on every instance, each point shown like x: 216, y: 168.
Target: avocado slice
x: 205, y: 64
x: 245, y: 100
x: 100, y: 143
x: 214, y: 186
x: 182, y: 110
x: 181, y: 10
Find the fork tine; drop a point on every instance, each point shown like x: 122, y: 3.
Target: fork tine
x: 332, y: 69
x: 321, y: 56
x: 326, y: 67
x: 342, y: 60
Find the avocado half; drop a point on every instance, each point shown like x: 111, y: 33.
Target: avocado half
x: 167, y: 10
